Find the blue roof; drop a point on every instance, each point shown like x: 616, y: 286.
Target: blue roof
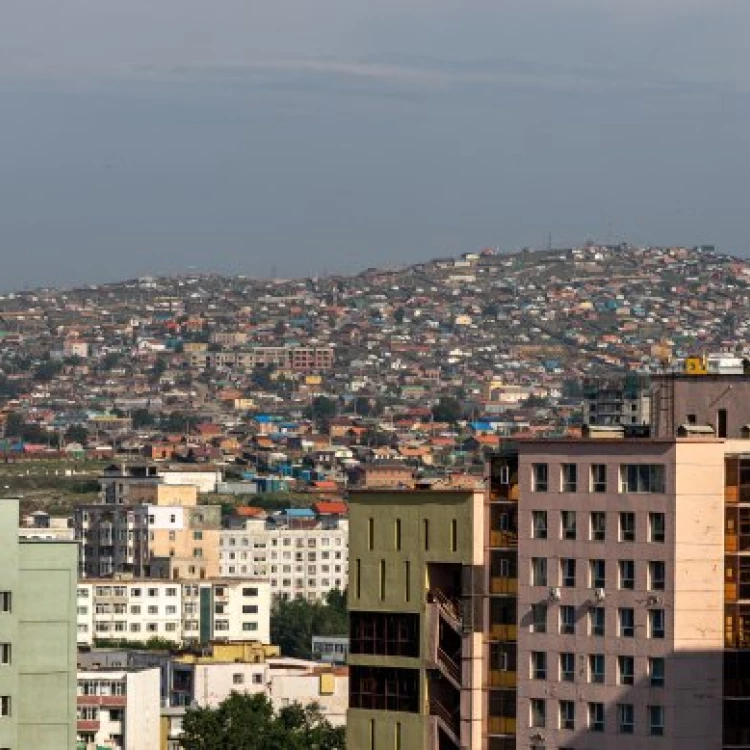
x: 299, y: 512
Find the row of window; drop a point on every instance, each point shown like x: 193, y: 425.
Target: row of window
x: 595, y: 715
x: 633, y: 478
x: 656, y: 621
x: 397, y: 532
x: 299, y: 556
x: 592, y: 668
x: 597, y: 526
x: 120, y: 626
x: 136, y: 593
x: 286, y: 542
x: 568, y: 570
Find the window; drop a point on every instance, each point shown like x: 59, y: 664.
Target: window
x: 198, y: 536
x: 153, y: 592
x: 598, y: 477
x: 598, y: 526
x: 249, y: 626
x: 538, y: 618
x: 627, y: 526
x: 655, y: 720
x: 567, y: 667
x: 568, y: 523
x: 250, y: 591
x: 382, y: 579
x: 5, y: 653
x: 5, y: 705
x: 426, y: 527
x: 370, y: 533
x: 154, y: 610
x: 596, y: 717
x: 170, y: 627
x: 596, y: 668
x: 625, y: 670
x: 597, y: 574
x: 538, y: 665
x: 721, y: 423
x: 6, y: 601
x: 238, y: 678
x: 656, y: 623
x: 642, y: 478
x: 539, y: 524
x: 538, y: 571
x: 656, y: 575
x: 656, y: 527
x: 567, y: 715
x: 627, y: 574
x: 656, y: 671
x: 538, y: 712
x: 596, y: 621
x: 567, y: 620
x: 171, y: 592
x: 454, y: 535
x: 249, y: 609
x: 568, y: 572
x: 397, y: 535
x: 257, y: 679
x: 625, y: 718
x: 626, y: 618
x: 569, y: 477
x: 539, y: 477
x: 135, y: 592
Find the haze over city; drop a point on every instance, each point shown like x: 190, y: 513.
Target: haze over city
x: 302, y: 137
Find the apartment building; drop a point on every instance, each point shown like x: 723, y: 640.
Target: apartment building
x: 303, y: 553
x: 416, y: 630
x: 295, y: 358
x: 118, y: 709
x: 148, y: 524
x: 182, y: 612
x: 37, y: 638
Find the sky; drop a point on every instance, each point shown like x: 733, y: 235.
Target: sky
x: 296, y: 137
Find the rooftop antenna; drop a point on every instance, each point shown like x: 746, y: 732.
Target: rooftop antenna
x: 549, y: 241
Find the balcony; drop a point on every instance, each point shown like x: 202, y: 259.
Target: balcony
x: 502, y: 678
x: 500, y: 632
x: 501, y: 725
x: 503, y: 539
x: 447, y: 720
x: 504, y: 586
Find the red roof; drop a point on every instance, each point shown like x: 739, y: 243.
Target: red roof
x: 324, y: 484
x: 331, y: 508
x: 249, y: 511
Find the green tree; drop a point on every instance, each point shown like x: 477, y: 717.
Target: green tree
x: 249, y: 722
x: 295, y: 621
x: 447, y: 409
x: 48, y: 370
x: 142, y: 418
x: 77, y: 434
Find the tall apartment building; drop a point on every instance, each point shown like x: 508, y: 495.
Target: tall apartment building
x: 302, y: 554
x: 37, y: 638
x: 118, y: 709
x: 295, y: 358
x: 148, y: 524
x: 416, y: 631
x: 182, y: 612
x: 624, y: 400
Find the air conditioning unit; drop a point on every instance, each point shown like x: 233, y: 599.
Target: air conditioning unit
x: 599, y: 595
x: 554, y: 594
x: 652, y: 601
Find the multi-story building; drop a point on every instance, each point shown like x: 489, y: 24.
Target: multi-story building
x: 295, y: 358
x: 416, y: 622
x: 302, y: 553
x: 624, y: 400
x: 37, y: 638
x: 118, y: 709
x: 182, y: 612
x: 148, y: 524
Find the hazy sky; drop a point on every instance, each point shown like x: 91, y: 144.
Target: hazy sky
x: 147, y: 136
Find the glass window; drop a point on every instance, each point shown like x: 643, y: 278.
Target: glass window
x: 598, y: 526
x: 627, y: 574
x: 596, y: 668
x: 656, y: 671
x: 596, y: 717
x: 539, y: 524
x: 598, y: 577
x: 656, y: 623
x: 539, y: 477
x: 568, y: 572
x: 538, y: 618
x: 656, y: 527
x: 538, y: 665
x: 642, y: 478
x: 625, y: 718
x: 567, y: 667
x: 655, y: 720
x: 627, y: 526
x: 626, y: 617
x: 568, y: 524
x: 569, y: 477
x: 598, y: 477
x: 596, y: 621
x: 656, y: 575
x: 538, y: 712
x: 567, y: 715
x: 567, y: 620
x: 538, y: 571
x: 625, y: 670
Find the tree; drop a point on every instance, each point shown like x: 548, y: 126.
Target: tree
x: 249, y: 722
x: 295, y: 621
x: 77, y: 434
x: 141, y: 418
x: 447, y: 409
x: 48, y: 370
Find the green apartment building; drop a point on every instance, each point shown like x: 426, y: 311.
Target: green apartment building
x: 37, y: 639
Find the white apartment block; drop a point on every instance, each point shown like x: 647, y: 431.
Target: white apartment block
x: 299, y: 561
x: 183, y: 612
x: 118, y: 709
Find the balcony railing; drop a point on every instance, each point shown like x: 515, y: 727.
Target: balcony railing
x: 504, y: 585
x: 506, y: 539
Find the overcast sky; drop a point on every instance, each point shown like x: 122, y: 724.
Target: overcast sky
x: 311, y: 136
